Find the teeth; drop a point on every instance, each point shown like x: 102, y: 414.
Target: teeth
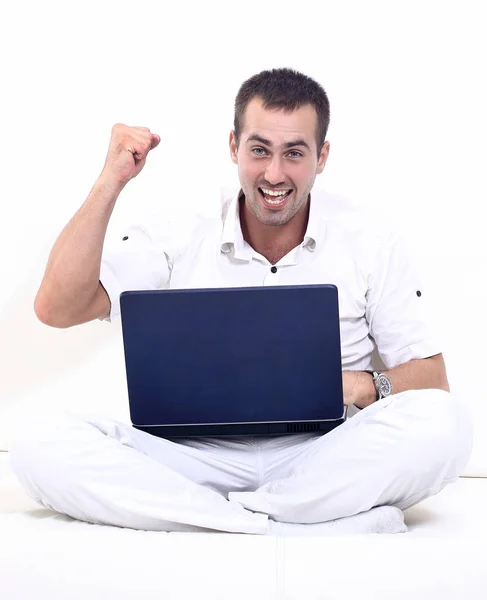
x: 271, y: 193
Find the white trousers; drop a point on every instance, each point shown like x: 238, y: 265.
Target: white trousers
x: 395, y: 452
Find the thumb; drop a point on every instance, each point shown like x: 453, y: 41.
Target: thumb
x: 155, y: 141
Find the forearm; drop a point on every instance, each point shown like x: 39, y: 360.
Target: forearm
x: 73, y: 269
x: 417, y: 374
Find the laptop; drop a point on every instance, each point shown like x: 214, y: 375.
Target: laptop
x: 233, y: 361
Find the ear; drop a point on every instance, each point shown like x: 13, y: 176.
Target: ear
x: 233, y: 147
x: 325, y: 150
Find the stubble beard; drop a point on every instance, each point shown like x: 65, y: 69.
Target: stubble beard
x: 279, y: 217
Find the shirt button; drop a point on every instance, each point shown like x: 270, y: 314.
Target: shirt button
x: 273, y: 269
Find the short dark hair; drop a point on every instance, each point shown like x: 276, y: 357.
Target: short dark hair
x: 286, y: 89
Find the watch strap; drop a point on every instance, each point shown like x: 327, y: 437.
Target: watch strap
x: 374, y: 375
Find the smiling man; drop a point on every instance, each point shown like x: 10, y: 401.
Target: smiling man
x: 278, y: 159
x: 406, y: 438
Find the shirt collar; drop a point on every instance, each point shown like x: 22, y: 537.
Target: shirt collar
x: 232, y: 231
x: 315, y: 228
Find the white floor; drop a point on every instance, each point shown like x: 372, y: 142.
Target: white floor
x: 44, y: 555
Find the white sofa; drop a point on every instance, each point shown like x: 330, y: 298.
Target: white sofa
x: 44, y: 555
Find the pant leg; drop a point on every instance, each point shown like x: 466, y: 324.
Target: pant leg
x: 102, y: 471
x: 396, y: 452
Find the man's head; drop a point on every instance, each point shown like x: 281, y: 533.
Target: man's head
x: 278, y: 142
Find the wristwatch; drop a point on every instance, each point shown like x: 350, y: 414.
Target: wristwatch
x: 383, y: 384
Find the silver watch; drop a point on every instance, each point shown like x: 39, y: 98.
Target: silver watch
x: 383, y: 385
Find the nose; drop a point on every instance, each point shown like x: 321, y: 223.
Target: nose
x: 273, y: 173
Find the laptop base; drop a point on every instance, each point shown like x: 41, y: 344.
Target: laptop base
x: 234, y: 429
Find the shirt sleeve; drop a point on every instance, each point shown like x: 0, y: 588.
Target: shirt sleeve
x: 132, y: 259
x: 395, y: 307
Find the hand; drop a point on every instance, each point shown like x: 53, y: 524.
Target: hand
x: 127, y: 153
x: 358, y: 388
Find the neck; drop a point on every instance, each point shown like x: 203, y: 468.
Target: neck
x: 273, y: 241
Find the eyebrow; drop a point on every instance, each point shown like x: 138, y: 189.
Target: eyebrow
x: 266, y: 142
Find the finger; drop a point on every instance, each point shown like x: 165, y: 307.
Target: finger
x: 141, y: 145
x: 155, y: 141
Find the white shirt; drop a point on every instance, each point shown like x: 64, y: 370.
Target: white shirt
x: 379, y: 291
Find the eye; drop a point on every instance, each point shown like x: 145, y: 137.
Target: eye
x: 296, y: 152
x: 258, y: 153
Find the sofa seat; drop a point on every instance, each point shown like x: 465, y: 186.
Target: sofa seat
x: 44, y: 555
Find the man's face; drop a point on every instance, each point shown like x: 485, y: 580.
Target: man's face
x: 277, y: 152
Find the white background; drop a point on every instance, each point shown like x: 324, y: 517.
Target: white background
x: 406, y: 83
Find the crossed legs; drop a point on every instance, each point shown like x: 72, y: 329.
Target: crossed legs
x: 395, y: 452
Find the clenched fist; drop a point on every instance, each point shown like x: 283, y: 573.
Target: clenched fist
x: 127, y: 152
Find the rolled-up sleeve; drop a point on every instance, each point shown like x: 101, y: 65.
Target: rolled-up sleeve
x: 395, y: 311
x: 133, y: 259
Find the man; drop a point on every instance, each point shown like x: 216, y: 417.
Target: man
x: 411, y: 437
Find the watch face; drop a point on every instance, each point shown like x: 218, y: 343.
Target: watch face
x: 385, y: 385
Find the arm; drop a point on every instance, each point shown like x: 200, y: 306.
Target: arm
x: 399, y: 326
x: 70, y: 292
x: 416, y: 374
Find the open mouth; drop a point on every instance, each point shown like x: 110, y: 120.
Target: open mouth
x: 275, y: 198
